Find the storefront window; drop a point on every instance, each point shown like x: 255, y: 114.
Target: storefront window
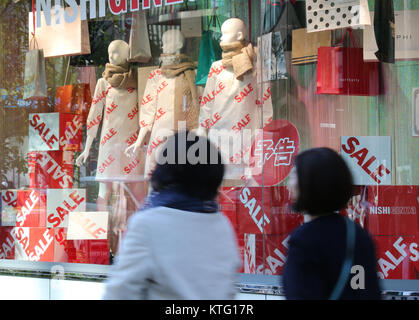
x: 89, y: 90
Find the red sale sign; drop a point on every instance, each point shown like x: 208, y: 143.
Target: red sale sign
x: 79, y: 251
x: 55, y: 131
x: 265, y: 254
x: 273, y: 152
x: 392, y: 210
x: 29, y: 244
x: 398, y: 257
x: 254, y: 210
x: 23, y: 208
x: 50, y: 169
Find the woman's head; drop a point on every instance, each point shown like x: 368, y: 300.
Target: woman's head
x: 191, y: 164
x: 321, y: 182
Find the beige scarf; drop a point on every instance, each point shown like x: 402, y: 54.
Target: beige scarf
x: 186, y: 104
x: 239, y: 55
x: 121, y: 77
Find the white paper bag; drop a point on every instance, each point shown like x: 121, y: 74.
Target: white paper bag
x: 62, y: 38
x: 139, y: 42
x: 336, y: 14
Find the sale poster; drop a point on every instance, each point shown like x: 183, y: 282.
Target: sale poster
x: 34, y: 244
x: 368, y: 158
x: 397, y: 257
x: 50, y: 169
x: 23, y: 208
x: 79, y: 251
x: 60, y: 202
x: 55, y: 131
x: 87, y: 225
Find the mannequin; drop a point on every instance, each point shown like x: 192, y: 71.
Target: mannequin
x: 232, y: 100
x: 115, y: 105
x: 170, y: 100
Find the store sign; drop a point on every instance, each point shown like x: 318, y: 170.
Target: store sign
x: 273, y: 152
x: 116, y: 7
x: 393, y: 210
x: 369, y: 159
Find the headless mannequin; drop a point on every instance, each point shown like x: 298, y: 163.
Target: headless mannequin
x: 231, y: 99
x: 170, y: 101
x: 118, y: 51
x: 173, y: 42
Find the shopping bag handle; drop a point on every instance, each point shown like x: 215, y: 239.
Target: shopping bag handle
x: 348, y: 30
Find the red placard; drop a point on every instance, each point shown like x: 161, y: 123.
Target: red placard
x: 23, y: 208
x: 79, y: 251
x: 33, y: 244
x: 392, y: 210
x: 254, y: 210
x: 55, y: 131
x: 397, y: 257
x: 50, y: 169
x: 273, y: 152
x: 265, y: 254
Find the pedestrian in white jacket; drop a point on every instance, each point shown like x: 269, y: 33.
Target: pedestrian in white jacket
x: 179, y: 246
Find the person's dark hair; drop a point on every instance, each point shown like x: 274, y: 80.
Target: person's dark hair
x: 198, y: 176
x: 324, y: 182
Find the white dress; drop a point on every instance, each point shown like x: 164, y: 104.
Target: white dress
x: 157, y: 113
x: 118, y: 108
x: 231, y: 107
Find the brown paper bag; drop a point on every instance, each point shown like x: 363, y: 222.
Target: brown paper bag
x: 139, y: 42
x: 62, y: 39
x: 35, y: 83
x: 305, y: 45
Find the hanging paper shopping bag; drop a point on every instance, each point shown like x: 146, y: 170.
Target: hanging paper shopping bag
x: 87, y: 75
x: 342, y: 71
x: 209, y: 51
x: 305, y: 45
x: 139, y: 41
x: 35, y: 83
x: 61, y: 38
x: 336, y: 14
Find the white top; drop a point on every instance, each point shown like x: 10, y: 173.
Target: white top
x: 119, y: 110
x: 172, y: 254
